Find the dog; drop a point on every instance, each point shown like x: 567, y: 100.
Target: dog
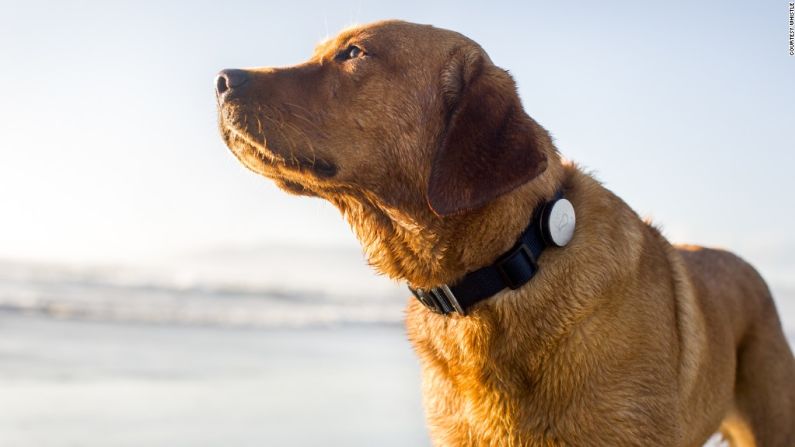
x: 613, y: 337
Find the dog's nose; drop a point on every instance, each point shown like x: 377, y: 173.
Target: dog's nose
x: 229, y: 79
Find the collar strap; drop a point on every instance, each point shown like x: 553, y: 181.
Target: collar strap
x: 552, y: 224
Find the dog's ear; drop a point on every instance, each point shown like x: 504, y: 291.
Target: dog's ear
x: 490, y: 146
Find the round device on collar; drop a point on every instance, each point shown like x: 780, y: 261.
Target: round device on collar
x: 557, y: 222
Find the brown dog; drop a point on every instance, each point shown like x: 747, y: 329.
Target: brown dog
x: 619, y: 339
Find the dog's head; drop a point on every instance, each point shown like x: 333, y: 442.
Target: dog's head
x: 399, y: 118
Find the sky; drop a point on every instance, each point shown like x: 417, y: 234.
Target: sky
x: 109, y: 148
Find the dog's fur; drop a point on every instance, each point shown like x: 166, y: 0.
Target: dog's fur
x: 620, y: 339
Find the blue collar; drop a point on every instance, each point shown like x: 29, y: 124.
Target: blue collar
x: 512, y: 269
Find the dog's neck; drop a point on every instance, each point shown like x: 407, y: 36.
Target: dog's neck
x: 424, y: 249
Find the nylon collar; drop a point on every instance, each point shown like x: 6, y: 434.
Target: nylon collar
x: 552, y: 224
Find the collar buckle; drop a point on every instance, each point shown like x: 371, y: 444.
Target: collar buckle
x: 439, y: 299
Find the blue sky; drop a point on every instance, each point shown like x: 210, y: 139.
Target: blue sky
x: 109, y: 149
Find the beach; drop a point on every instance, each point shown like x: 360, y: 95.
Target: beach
x: 86, y: 383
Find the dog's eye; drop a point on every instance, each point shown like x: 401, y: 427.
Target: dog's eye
x: 352, y: 52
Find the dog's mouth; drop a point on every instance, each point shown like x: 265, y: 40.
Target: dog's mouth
x: 292, y: 172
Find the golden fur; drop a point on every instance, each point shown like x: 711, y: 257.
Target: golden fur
x: 619, y: 340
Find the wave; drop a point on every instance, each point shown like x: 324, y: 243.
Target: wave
x: 195, y: 294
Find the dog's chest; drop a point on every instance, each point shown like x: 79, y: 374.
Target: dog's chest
x: 481, y: 389
x: 477, y: 395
